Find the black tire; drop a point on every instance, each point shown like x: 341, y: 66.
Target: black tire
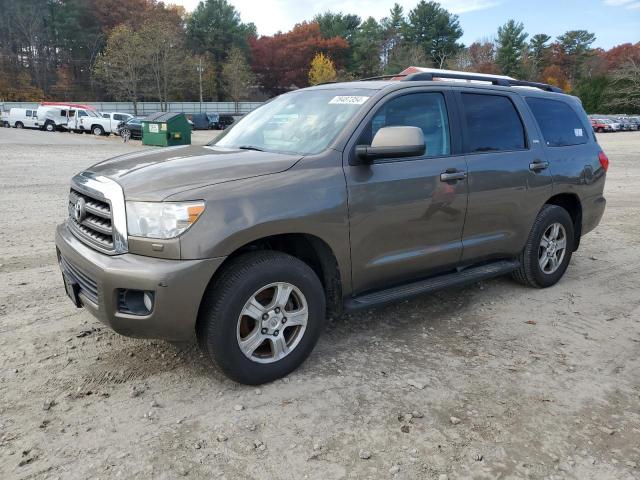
x: 530, y: 273
x: 19, y: 125
x: 217, y: 326
x: 600, y: 130
x: 50, y: 127
x: 97, y: 130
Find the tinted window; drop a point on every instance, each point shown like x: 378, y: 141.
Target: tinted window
x: 117, y: 117
x: 105, y: 115
x: 559, y: 124
x: 28, y: 113
x: 426, y: 111
x: 493, y: 124
x: 82, y: 113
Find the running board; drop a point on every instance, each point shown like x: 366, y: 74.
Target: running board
x: 456, y: 279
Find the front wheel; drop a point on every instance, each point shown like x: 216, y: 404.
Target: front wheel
x: 549, y: 247
x: 262, y: 316
x: 49, y: 127
x: 98, y: 130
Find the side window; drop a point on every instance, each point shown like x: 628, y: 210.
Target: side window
x: 117, y: 117
x: 28, y: 113
x: 63, y: 113
x: 493, y: 124
x: 82, y: 113
x: 426, y: 111
x: 106, y: 115
x: 559, y: 124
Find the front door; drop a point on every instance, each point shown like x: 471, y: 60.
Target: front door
x: 509, y: 178
x: 406, y: 218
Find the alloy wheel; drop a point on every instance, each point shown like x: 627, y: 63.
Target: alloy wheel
x: 553, y: 246
x: 272, y: 322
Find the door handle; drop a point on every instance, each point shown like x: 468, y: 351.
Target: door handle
x: 452, y: 175
x: 538, y: 165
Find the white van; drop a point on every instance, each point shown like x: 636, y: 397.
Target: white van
x: 116, y: 118
x: 23, y: 118
x: 75, y: 117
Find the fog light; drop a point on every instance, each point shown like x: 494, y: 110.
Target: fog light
x: 147, y: 298
x: 135, y: 302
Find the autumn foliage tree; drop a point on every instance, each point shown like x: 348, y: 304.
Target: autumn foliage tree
x: 281, y: 61
x: 322, y: 70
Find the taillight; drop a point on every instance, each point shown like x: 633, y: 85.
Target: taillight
x: 604, y: 160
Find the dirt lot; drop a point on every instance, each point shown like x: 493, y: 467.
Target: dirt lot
x: 491, y: 381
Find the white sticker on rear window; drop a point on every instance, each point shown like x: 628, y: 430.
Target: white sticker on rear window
x: 348, y: 100
x: 577, y: 132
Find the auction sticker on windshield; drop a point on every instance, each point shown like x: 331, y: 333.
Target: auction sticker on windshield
x: 348, y: 100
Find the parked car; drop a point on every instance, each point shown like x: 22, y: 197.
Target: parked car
x: 131, y: 129
x: 116, y: 118
x: 615, y: 126
x: 23, y: 118
x: 73, y: 117
x: 371, y: 192
x: 219, y: 121
x: 600, y: 126
x: 201, y: 121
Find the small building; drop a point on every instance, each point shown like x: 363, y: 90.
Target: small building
x: 165, y: 129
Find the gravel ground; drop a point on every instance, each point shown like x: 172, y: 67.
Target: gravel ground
x: 492, y: 381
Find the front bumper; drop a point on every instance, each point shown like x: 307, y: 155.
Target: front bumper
x: 178, y: 285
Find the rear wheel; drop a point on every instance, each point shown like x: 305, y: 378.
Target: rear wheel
x: 262, y: 316
x: 600, y: 130
x: 49, y: 127
x: 549, y: 247
x: 19, y: 125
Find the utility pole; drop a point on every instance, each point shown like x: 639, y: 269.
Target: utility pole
x: 200, y: 76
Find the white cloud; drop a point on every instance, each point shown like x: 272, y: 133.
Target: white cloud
x: 628, y: 4
x: 271, y: 16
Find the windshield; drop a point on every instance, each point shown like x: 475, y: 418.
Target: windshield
x: 303, y: 122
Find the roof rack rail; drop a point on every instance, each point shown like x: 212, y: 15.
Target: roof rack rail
x: 382, y: 77
x: 504, y: 82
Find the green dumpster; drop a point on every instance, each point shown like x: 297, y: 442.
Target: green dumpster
x: 166, y: 129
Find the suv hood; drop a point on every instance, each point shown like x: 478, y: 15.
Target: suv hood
x: 153, y: 175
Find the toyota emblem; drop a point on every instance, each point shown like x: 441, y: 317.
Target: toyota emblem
x: 78, y: 210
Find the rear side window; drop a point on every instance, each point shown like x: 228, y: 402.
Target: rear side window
x: 117, y: 117
x: 426, y: 111
x: 28, y: 113
x: 493, y: 124
x: 559, y: 123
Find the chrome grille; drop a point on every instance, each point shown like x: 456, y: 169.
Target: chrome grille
x: 88, y: 286
x: 96, y: 226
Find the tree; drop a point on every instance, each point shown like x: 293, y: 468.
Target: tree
x: 392, y: 29
x: 215, y: 27
x: 511, y: 43
x: 338, y: 25
x: 122, y: 64
x: 404, y: 56
x: 625, y: 85
x: 281, y: 61
x: 237, y: 76
x: 573, y: 49
x: 435, y: 30
x: 367, y: 49
x: 538, y: 54
x: 165, y: 59
x: 322, y: 70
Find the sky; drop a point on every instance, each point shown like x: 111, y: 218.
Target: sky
x: 613, y: 21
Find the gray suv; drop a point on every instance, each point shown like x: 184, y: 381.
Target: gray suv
x: 337, y: 197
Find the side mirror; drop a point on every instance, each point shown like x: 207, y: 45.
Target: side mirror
x: 392, y: 142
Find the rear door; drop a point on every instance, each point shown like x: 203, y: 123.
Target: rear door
x: 405, y: 220
x: 508, y: 174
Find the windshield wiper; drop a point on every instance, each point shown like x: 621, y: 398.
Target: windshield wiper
x: 250, y: 147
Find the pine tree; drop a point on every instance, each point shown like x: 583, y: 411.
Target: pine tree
x: 322, y: 70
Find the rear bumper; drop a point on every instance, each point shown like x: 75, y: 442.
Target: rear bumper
x: 178, y: 287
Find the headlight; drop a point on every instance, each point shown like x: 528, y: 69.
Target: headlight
x: 161, y: 219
